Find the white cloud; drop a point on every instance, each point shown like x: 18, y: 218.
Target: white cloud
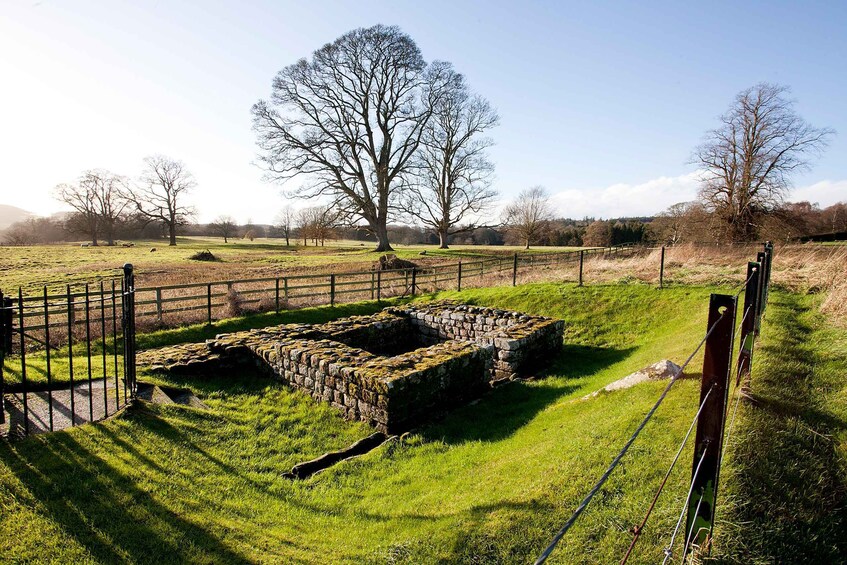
x: 624, y: 199
x: 655, y: 195
x: 825, y: 193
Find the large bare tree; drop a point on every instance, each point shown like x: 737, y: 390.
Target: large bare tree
x: 528, y: 216
x: 99, y: 200
x: 748, y: 160
x: 349, y: 119
x: 161, y: 195
x: 452, y: 186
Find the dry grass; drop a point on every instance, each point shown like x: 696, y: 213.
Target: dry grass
x: 808, y: 268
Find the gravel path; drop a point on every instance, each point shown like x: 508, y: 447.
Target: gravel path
x: 38, y: 407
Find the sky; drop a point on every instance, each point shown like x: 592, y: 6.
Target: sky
x: 601, y: 103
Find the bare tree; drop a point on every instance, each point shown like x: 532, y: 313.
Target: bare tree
x: 529, y: 215
x: 164, y: 185
x: 349, y: 119
x: 99, y: 201
x: 318, y: 223
x: 284, y: 223
x: 748, y: 160
x: 225, y: 227
x: 452, y: 187
x: 669, y: 227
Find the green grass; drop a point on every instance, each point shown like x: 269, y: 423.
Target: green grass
x: 490, y: 483
x: 786, y: 475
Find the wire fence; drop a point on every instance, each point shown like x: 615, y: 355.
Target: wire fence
x: 712, y: 436
x: 210, y: 301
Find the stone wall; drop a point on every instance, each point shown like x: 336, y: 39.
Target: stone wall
x: 363, y: 365
x: 521, y: 343
x: 389, y: 393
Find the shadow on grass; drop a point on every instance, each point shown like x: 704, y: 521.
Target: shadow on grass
x: 507, y: 408
x: 787, y: 484
x: 106, y: 511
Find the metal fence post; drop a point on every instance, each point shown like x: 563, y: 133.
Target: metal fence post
x: 662, y: 270
x: 378, y: 286
x: 332, y: 290
x: 3, y: 332
x: 748, y: 321
x: 459, y: 277
x: 761, y: 259
x: 6, y: 323
x: 515, y: 271
x: 129, y: 329
x: 714, y: 389
x: 414, y: 280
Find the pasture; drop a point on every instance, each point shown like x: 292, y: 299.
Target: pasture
x: 488, y: 483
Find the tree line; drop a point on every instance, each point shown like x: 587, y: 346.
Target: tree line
x: 390, y: 144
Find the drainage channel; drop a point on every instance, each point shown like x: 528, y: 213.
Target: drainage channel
x: 327, y: 460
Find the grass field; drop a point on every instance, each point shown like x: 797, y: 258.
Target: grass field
x: 490, y: 483
x: 32, y: 267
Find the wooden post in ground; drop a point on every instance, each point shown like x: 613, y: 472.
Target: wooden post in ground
x: 662, y: 270
x: 581, y: 261
x: 515, y: 271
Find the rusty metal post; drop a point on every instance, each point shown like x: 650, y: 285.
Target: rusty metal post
x: 761, y: 258
x: 662, y: 270
x: 748, y: 321
x: 705, y: 470
x: 767, y: 274
x: 459, y: 277
x: 6, y: 317
x: 332, y: 290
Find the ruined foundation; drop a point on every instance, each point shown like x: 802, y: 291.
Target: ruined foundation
x: 394, y: 369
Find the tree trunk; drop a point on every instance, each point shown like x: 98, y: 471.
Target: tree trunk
x: 381, y: 233
x: 527, y: 244
x: 442, y: 239
x: 172, y: 234
x: 225, y: 241
x: 286, y: 240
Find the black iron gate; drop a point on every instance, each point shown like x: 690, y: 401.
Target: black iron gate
x: 66, y: 358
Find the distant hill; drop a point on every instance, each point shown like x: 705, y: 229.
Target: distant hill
x: 11, y: 214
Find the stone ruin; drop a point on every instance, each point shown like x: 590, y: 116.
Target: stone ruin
x: 393, y: 369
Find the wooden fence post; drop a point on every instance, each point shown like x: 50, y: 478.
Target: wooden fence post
x: 662, y: 270
x: 581, y: 260
x: 378, y: 285
x: 373, y: 280
x: 459, y: 278
x: 276, y: 294
x: 332, y: 290
x: 285, y: 290
x: 414, y: 280
x: 515, y: 271
x: 209, y: 303
x: 714, y: 389
x: 159, y: 304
